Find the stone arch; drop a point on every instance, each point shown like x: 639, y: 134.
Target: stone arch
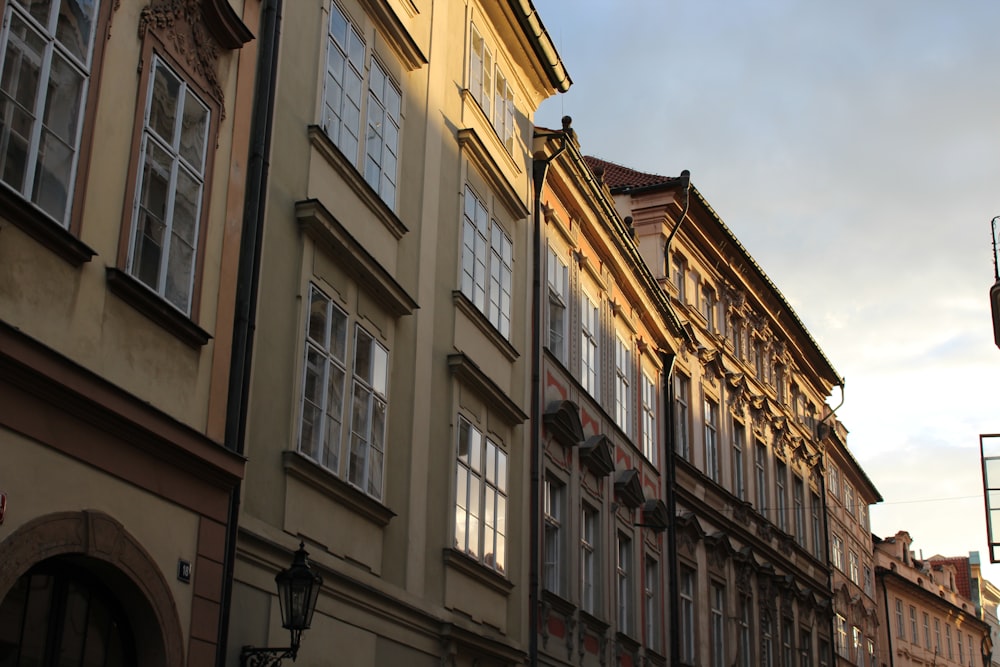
x: 112, y: 554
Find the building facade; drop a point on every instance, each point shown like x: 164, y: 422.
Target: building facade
x: 926, y: 618
x: 752, y: 580
x: 608, y: 339
x: 849, y: 495
x: 123, y: 136
x: 391, y: 368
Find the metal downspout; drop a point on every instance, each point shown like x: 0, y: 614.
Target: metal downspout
x: 539, y: 168
x: 669, y: 455
x: 247, y: 282
x: 888, y: 626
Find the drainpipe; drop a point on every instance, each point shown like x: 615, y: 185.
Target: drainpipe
x: 686, y: 184
x: 888, y: 625
x: 668, y: 359
x: 247, y: 281
x: 539, y: 168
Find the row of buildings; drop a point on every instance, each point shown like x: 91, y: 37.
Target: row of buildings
x: 294, y: 273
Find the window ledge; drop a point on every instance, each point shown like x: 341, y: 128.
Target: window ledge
x: 321, y: 226
x: 303, y: 468
x: 35, y: 223
x: 468, y: 372
x: 476, y: 570
x: 152, y: 305
x: 400, y: 40
x: 322, y: 143
x: 465, y: 305
x: 472, y: 144
x: 557, y: 602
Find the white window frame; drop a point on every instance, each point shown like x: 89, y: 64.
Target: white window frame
x: 840, y: 627
x: 711, y: 439
x: 837, y: 552
x: 651, y: 600
x: 487, y: 262
x: 347, y: 109
x: 649, y: 430
x: 359, y: 458
x: 687, y: 620
x: 553, y: 509
x: 623, y: 383
x: 589, y: 565
x: 679, y: 269
x: 914, y: 633
x: 482, y: 474
x: 558, y: 283
x: 900, y: 619
x: 682, y: 415
x: 623, y: 571
x: 590, y: 346
x: 179, y: 236
x: 45, y: 105
x: 739, y: 448
x: 745, y: 627
x: 492, y: 90
x: 849, y: 498
x: 780, y: 484
x: 717, y: 624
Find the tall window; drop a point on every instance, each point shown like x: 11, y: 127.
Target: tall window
x: 712, y: 439
x: 758, y: 359
x: 766, y: 642
x: 833, y: 481
x: 490, y: 88
x: 717, y: 625
x: 708, y: 302
x: 900, y: 625
x: 927, y: 631
x: 624, y: 568
x: 558, y: 298
x: 947, y: 639
x: 745, y: 631
x: 937, y: 635
x: 849, y: 497
x: 858, y: 644
x: 838, y: 552
x: 869, y: 585
x: 679, y: 273
x: 167, y: 209
x: 736, y: 336
x: 780, y: 484
x: 687, y: 625
x: 961, y: 649
x: 589, y: 337
x: 871, y: 652
x: 345, y: 105
x: 487, y: 258
x: 969, y: 645
x: 554, y: 501
x: 760, y: 467
x: 481, y: 498
x: 853, y: 571
x: 651, y: 599
x: 914, y: 636
x: 817, y: 533
x: 788, y: 641
x: 623, y: 384
x: 805, y: 648
x: 798, y: 491
x: 840, y: 625
x: 323, y: 397
x: 739, y: 445
x: 682, y: 415
x: 46, y: 65
x: 589, y: 530
x: 649, y: 419
x: 862, y: 514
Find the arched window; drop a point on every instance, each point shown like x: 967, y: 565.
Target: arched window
x: 58, y: 613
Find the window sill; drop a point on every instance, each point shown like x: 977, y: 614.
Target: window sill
x: 557, y: 602
x: 466, y: 306
x: 153, y: 306
x: 39, y: 226
x: 305, y: 469
x: 459, y: 561
x: 469, y: 373
x: 325, y: 146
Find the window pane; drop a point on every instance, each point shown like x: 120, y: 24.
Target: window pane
x: 380, y: 369
x: 63, y: 99
x: 74, y: 26
x: 363, y: 356
x: 163, y: 103
x: 334, y: 416
x: 151, y: 225
x: 40, y: 10
x: 194, y: 130
x: 52, y: 175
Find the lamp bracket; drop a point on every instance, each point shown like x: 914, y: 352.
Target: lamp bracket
x: 252, y: 656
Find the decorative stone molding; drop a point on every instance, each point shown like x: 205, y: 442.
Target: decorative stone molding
x: 628, y: 488
x: 562, y: 421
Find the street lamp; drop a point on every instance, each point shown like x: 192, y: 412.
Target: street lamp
x: 298, y: 588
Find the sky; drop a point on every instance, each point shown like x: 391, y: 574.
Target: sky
x: 854, y: 149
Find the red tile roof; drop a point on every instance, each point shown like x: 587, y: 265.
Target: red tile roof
x: 617, y: 177
x: 962, y: 569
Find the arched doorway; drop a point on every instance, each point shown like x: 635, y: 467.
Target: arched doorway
x: 72, y: 557
x: 61, y: 613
